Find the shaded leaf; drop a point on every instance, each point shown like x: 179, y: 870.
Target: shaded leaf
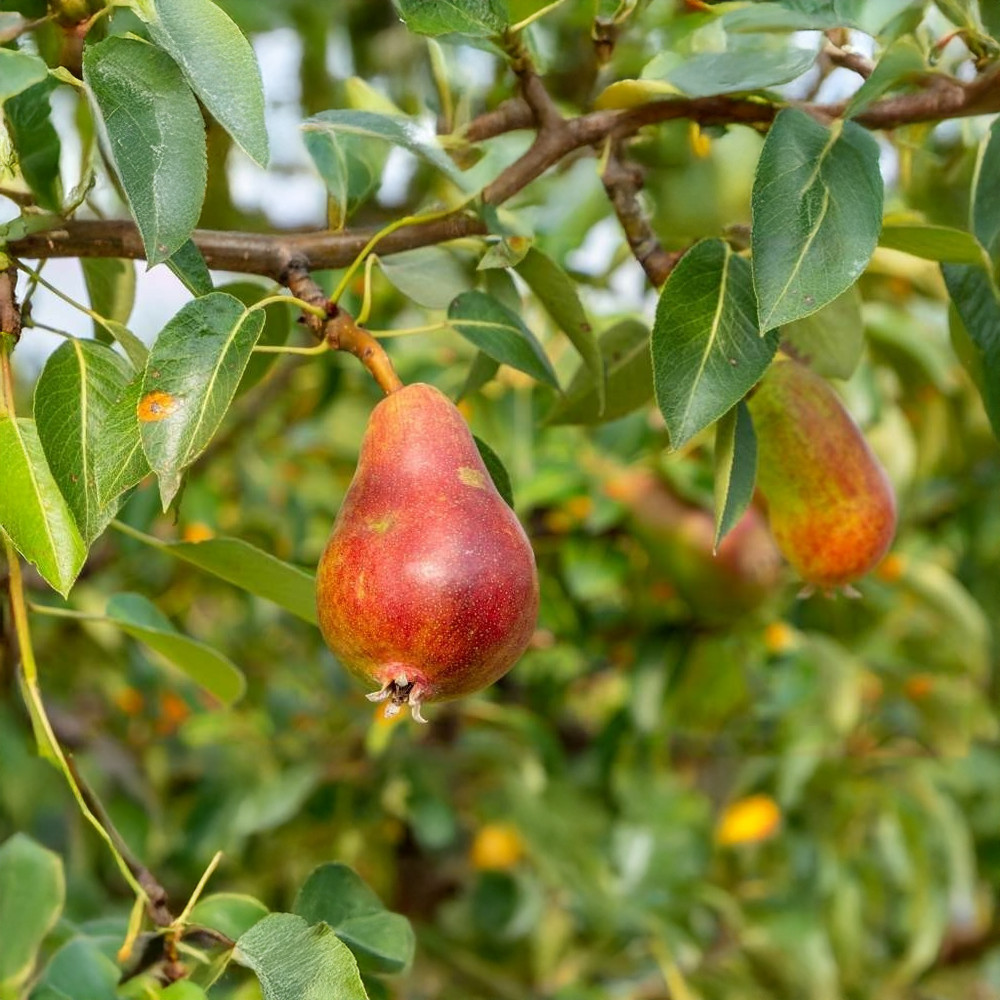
x: 79, y: 970
x: 507, y: 252
x: 36, y: 142
x: 749, y: 67
x: 336, y: 895
x: 75, y: 399
x: 395, y: 129
x: 110, y: 285
x: 902, y: 62
x: 32, y: 510
x: 134, y: 348
x: 253, y: 570
x: 230, y: 913
x: 629, y: 382
x: 121, y: 462
x: 817, y: 212
x: 142, y: 620
x: 430, y: 276
x: 977, y: 301
x: 294, y: 961
x: 830, y: 341
x: 218, y: 62
x: 350, y: 168
x: 493, y: 328
x: 481, y: 371
x: 19, y: 71
x: 557, y: 292
x: 191, y: 376
x: 986, y: 193
x: 496, y: 469
x: 941, y: 243
x: 476, y: 18
x: 706, y: 349
x: 188, y: 264
x: 155, y: 137
x: 32, y: 892
x: 735, y: 468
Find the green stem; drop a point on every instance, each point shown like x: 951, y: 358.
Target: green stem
x: 407, y: 331
x: 541, y: 12
x: 39, y: 280
x: 48, y: 745
x: 290, y: 300
x: 50, y: 612
x: 282, y: 349
x: 139, y: 536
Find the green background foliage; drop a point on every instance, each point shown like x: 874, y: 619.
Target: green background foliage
x: 571, y: 832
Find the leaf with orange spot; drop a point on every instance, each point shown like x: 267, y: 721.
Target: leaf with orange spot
x: 193, y: 371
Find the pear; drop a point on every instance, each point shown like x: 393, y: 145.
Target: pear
x: 831, y: 506
x: 427, y: 588
x: 679, y: 539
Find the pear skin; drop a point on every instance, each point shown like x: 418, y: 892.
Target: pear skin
x: 427, y: 588
x: 831, y: 506
x: 678, y: 538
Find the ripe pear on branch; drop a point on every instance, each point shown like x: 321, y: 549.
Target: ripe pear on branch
x: 427, y: 588
x: 831, y: 506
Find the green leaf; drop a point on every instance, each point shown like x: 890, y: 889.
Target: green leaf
x: 230, y: 913
x: 430, y: 276
x: 32, y: 892
x: 142, y: 620
x: 395, y: 129
x: 79, y: 970
x: 977, y: 301
x: 294, y: 961
x: 277, y: 327
x: 36, y: 142
x: 817, y: 212
x: 336, y: 895
x: 476, y: 18
x: 749, y: 67
x: 830, y: 341
x: 33, y: 511
x: 496, y: 469
x: 191, y: 376
x: 941, y: 243
x: 986, y: 193
x: 351, y: 170
x: 253, y: 570
x: 217, y: 61
x: 557, y: 292
x: 735, y: 468
x: 706, y: 349
x: 183, y: 989
x: 902, y: 62
x: 629, y: 383
x: 493, y: 328
x: 155, y: 138
x: 481, y: 371
x: 134, y: 348
x: 121, y: 462
x: 76, y: 397
x: 111, y: 287
x: 190, y: 267
x: 507, y: 252
x: 19, y: 71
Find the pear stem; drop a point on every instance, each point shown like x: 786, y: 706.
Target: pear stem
x: 338, y: 330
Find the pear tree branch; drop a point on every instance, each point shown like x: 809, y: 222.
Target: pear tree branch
x: 941, y: 97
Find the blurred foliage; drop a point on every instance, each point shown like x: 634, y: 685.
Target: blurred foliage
x: 795, y: 800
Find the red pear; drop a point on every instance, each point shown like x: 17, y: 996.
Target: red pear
x: 831, y: 507
x: 427, y: 588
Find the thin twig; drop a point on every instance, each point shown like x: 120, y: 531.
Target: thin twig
x: 622, y: 182
x: 156, y: 905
